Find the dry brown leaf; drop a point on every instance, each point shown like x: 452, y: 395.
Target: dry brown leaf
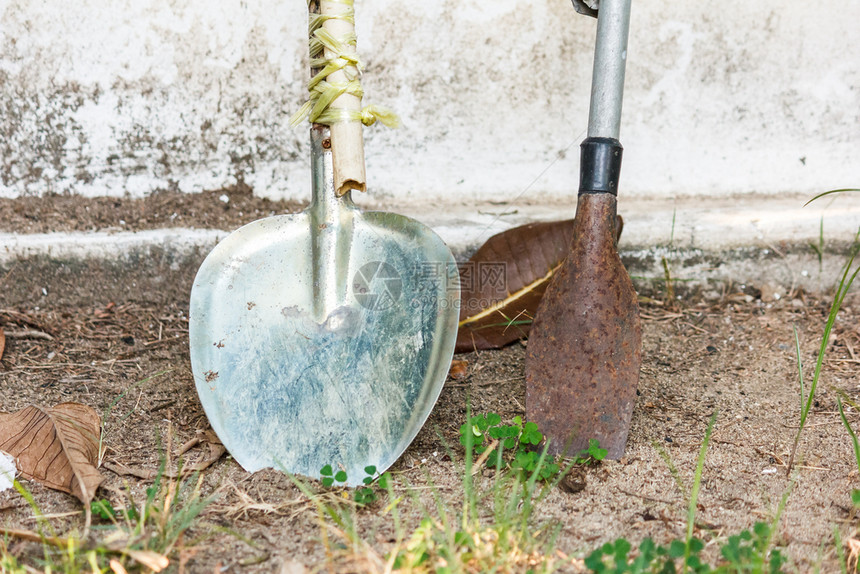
x: 290, y: 566
x: 853, y: 553
x: 56, y: 446
x: 503, y: 282
x: 152, y: 560
x: 2, y: 343
x: 459, y: 369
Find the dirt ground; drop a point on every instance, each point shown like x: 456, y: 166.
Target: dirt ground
x: 221, y: 209
x: 103, y: 333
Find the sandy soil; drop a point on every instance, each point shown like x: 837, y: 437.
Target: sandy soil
x: 99, y: 333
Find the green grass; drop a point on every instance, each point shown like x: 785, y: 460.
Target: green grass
x: 806, y: 398
x: 831, y: 192
x: 846, y: 280
x: 496, y: 526
x: 747, y: 552
x: 142, y: 535
x: 819, y: 247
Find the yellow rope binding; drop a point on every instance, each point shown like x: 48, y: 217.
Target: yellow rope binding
x: 342, y: 56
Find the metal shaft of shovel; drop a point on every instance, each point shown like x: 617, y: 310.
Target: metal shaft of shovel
x: 584, y: 351
x: 325, y: 215
x: 607, y: 77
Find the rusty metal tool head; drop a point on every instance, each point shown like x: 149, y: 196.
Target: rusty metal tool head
x: 584, y: 351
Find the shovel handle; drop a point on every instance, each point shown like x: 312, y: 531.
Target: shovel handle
x: 600, y: 160
x: 607, y: 80
x: 347, y: 142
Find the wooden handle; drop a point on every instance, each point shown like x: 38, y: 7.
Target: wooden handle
x: 347, y: 142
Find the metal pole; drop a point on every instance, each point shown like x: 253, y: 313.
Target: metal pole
x: 610, y: 57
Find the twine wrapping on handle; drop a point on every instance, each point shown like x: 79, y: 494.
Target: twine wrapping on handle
x: 335, y: 91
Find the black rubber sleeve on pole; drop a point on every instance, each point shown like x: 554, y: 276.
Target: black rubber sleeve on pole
x: 600, y: 165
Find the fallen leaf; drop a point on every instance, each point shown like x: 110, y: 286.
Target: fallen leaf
x: 152, y: 560
x: 459, y: 369
x: 2, y: 343
x: 853, y: 554
x: 56, y: 446
x: 502, y: 284
x: 290, y: 566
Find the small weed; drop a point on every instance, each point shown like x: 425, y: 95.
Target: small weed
x: 489, y: 436
x: 103, y: 509
x: 747, y: 552
x: 146, y: 534
x: 615, y: 558
x: 493, y: 529
x: 593, y: 454
x: 819, y: 247
x: 672, y: 234
x: 169, y: 509
x: 855, y: 493
x: 8, y: 562
x: 806, y: 399
x: 363, y: 495
x: 832, y: 191
x: 670, y: 289
x: 329, y: 476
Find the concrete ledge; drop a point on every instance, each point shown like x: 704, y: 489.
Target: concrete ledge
x: 761, y: 241
x: 107, y: 245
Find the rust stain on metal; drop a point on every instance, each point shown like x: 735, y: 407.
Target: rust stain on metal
x: 584, y: 354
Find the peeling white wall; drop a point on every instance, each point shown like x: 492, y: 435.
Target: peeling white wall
x: 129, y: 96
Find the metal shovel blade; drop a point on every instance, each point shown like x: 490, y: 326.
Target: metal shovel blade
x: 323, y: 337
x: 584, y: 350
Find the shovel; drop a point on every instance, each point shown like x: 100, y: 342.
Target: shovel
x: 324, y: 337
x: 584, y: 350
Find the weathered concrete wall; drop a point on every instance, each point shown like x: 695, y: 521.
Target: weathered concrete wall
x: 133, y: 95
